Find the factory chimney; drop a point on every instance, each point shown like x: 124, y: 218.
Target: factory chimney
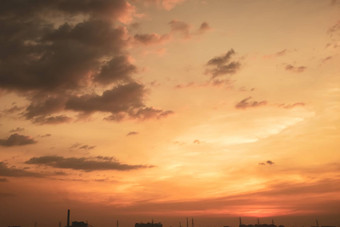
x: 68, y: 218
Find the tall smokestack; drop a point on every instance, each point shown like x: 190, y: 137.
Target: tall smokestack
x: 187, y: 222
x: 68, y: 218
x: 192, y: 222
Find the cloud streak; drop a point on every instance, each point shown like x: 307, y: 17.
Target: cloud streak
x: 17, y: 140
x: 84, y: 164
x: 6, y: 171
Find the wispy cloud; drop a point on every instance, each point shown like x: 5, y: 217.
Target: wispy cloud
x: 247, y: 103
x: 295, y: 69
x: 223, y: 65
x: 132, y: 133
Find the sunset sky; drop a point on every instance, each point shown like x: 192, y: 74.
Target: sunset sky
x: 169, y: 108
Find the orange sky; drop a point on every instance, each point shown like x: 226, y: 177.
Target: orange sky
x: 169, y: 108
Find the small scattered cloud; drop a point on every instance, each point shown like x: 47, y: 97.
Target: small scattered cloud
x: 197, y: 142
x: 153, y: 38
x: 84, y: 164
x: 17, y: 140
x: 268, y: 162
x: 46, y: 135
x: 132, y: 133
x: 247, y: 103
x: 295, y: 69
x: 18, y: 129
x: 204, y: 28
x: 180, y: 27
x: 223, y: 65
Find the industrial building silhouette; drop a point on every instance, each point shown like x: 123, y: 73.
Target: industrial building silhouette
x: 158, y: 224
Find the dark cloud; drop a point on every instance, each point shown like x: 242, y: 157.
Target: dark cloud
x: 246, y: 103
x: 54, y: 53
x: 18, y: 129
x: 84, y: 164
x: 119, y: 101
x: 153, y: 38
x: 52, y: 119
x: 6, y: 171
x: 17, y: 140
x: 132, y: 133
x: 13, y: 109
x: 98, y: 8
x: 296, y: 69
x: 71, y: 51
x: 223, y: 65
x: 117, y: 69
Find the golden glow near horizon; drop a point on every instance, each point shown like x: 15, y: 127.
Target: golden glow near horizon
x: 171, y: 107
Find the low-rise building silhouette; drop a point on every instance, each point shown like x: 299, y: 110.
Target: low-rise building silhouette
x: 79, y: 224
x: 152, y: 224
